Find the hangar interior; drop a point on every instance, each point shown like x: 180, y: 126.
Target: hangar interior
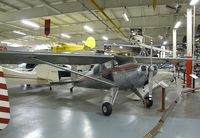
x: 72, y: 37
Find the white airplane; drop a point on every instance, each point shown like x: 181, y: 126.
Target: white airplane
x: 42, y: 74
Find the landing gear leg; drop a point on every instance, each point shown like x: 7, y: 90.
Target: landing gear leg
x: 147, y: 101
x: 71, y: 89
x: 109, y: 101
x: 50, y: 88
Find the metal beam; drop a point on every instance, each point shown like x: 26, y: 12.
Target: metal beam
x: 2, y: 10
x: 10, y: 5
x: 47, y: 4
x: 26, y: 3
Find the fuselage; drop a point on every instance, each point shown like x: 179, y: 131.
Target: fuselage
x: 125, y: 76
x: 67, y: 48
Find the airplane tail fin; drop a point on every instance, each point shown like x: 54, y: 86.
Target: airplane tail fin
x: 90, y: 42
x: 47, y: 72
x: 4, y: 102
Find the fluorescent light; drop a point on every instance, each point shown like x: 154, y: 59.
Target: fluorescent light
x: 65, y: 35
x: 88, y: 28
x: 18, y: 32
x: 15, y: 45
x: 32, y: 24
x: 41, y: 47
x: 4, y: 42
x: 125, y: 17
x: 121, y: 47
x: 165, y: 42
x: 178, y: 24
x: 193, y: 2
x: 11, y: 44
x: 105, y: 38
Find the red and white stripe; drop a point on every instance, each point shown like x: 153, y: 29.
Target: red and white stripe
x: 4, y: 102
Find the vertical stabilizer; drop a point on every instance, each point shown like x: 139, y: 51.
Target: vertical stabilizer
x: 90, y: 42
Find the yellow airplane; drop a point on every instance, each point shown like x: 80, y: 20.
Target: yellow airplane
x: 89, y: 44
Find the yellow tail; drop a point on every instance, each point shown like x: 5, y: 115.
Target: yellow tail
x: 90, y: 42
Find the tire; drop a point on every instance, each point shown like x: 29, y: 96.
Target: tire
x: 148, y: 102
x: 106, y: 109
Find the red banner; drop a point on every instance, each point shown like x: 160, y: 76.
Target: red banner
x: 47, y: 24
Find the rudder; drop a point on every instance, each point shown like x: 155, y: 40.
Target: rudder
x: 90, y: 42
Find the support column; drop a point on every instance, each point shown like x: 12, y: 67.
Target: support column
x: 162, y: 52
x: 189, y: 47
x: 174, y: 43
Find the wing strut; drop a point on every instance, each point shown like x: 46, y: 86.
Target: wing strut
x: 72, y: 71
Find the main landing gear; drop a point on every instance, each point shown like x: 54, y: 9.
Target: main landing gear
x: 50, y: 88
x: 147, y: 100
x: 109, y: 101
x: 71, y: 90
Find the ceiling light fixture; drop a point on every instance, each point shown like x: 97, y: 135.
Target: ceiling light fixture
x: 165, y: 42
x: 125, y: 16
x: 19, y: 32
x: 31, y: 24
x: 177, y: 25
x: 15, y: 45
x: 105, y: 38
x: 194, y: 2
x: 65, y: 35
x: 4, y: 42
x: 89, y: 29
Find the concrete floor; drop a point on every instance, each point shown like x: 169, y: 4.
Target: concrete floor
x: 40, y: 113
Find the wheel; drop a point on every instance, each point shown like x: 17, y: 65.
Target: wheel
x: 148, y: 102
x: 107, y: 109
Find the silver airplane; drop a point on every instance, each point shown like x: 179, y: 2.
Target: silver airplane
x: 129, y: 76
x: 112, y: 72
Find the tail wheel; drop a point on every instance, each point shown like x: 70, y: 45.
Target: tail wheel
x: 106, y: 109
x: 148, y: 102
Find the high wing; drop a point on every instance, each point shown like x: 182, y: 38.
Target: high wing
x: 77, y: 59
x: 155, y: 60
x: 72, y: 59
